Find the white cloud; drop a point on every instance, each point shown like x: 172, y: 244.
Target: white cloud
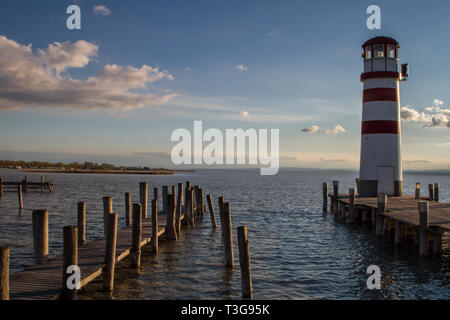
x: 244, y: 113
x: 102, y: 10
x: 241, y: 67
x: 29, y: 79
x: 315, y: 128
x: 273, y: 33
x: 435, y: 116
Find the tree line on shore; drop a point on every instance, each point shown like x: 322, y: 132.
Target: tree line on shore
x: 73, y: 165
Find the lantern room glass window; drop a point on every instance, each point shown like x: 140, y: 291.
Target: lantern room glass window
x: 368, y: 52
x: 390, y: 51
x: 378, y: 51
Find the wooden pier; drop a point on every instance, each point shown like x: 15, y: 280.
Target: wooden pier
x: 424, y: 219
x: 27, y: 185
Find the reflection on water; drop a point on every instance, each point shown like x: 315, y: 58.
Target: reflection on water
x: 297, y: 252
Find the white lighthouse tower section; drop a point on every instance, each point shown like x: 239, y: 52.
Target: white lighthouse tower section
x: 380, y: 162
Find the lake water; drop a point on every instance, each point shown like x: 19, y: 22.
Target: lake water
x: 297, y: 252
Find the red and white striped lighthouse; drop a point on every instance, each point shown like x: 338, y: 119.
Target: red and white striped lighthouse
x: 381, y: 164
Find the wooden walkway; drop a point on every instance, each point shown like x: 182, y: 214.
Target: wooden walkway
x: 44, y: 281
x: 405, y: 210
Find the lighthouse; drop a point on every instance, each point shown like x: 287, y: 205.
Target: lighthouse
x: 381, y: 162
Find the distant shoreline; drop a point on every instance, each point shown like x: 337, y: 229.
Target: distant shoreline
x: 107, y: 171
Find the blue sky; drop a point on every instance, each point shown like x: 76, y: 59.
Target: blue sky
x: 288, y: 65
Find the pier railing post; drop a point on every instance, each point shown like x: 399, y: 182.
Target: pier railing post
x: 143, y: 198
x: 423, y: 228
x: 165, y: 193
x: 110, y: 252
x: 40, y: 235
x: 417, y: 190
x: 127, y: 208
x: 228, y: 239
x: 436, y: 192
x: 382, y: 204
x: 170, y: 225
x: 107, y: 209
x: 245, y: 263
x: 351, y: 206
x: 136, y: 236
x: 325, y: 196
x: 431, y: 192
x: 81, y: 223
x: 179, y: 208
x: 70, y: 262
x: 4, y: 273
x: 19, y: 196
x: 211, y: 211
x: 155, y: 225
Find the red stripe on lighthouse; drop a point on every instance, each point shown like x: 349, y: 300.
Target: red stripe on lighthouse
x: 380, y: 94
x: 380, y: 126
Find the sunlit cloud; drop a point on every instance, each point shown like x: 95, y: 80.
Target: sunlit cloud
x: 102, y: 10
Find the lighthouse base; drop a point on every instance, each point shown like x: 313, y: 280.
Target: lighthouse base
x: 369, y: 188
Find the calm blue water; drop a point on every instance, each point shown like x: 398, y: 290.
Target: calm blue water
x: 297, y: 252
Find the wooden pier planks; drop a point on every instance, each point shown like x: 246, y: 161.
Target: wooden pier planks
x: 405, y: 209
x: 43, y: 281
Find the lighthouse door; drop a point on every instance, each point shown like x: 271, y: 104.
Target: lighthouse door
x: 386, y: 180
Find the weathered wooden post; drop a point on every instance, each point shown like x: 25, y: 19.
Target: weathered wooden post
x: 399, y: 232
x: 173, y: 190
x: 201, y: 200
x: 4, y: 273
x: 155, y: 193
x: 155, y: 225
x: 188, y: 186
x: 165, y: 193
x: 19, y: 196
x: 170, y: 226
x: 211, y: 211
x: 431, y: 192
x: 40, y: 235
x: 325, y: 196
x: 436, y: 192
x: 178, y: 208
x: 127, y: 208
x: 191, y: 207
x: 70, y: 262
x: 351, y: 206
x: 136, y: 236
x: 423, y: 228
x: 42, y: 184
x: 335, y: 196
x: 110, y: 252
x: 228, y: 239
x: 81, y: 223
x: 382, y: 205
x: 437, y: 242
x: 244, y: 260
x: 417, y: 190
x: 107, y: 209
x: 221, y: 211
x: 143, y: 196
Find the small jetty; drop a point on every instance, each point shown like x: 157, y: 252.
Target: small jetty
x: 26, y: 185
x: 424, y: 219
x: 81, y: 262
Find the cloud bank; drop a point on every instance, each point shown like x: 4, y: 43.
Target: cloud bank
x: 434, y: 116
x: 40, y: 79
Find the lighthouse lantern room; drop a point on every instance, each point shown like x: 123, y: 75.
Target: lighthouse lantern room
x: 380, y: 163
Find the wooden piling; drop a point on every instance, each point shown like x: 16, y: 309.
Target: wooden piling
x: 417, y: 190
x: 110, y: 252
x: 173, y: 190
x: 201, y: 201
x: 136, y: 236
x: 154, y: 242
x: 70, y: 262
x: 437, y: 243
x: 170, y: 226
x: 423, y: 207
x: 40, y: 235
x: 188, y: 186
x: 373, y: 214
x: 399, y: 232
x: 365, y: 215
x: 436, y: 192
x: 81, y: 223
x: 228, y: 237
x: 155, y: 193
x: 351, y: 206
x: 335, y: 196
x: 431, y: 192
x: 42, y: 184
x: 165, y: 193
x: 4, y: 273
x: 143, y: 198
x: 382, y: 204
x: 191, y: 207
x: 325, y: 196
x: 245, y: 263
x: 107, y: 209
x: 19, y: 196
x: 211, y: 211
x: 179, y: 208
x: 127, y: 208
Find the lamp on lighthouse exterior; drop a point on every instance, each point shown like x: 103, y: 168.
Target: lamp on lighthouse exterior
x: 381, y: 162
